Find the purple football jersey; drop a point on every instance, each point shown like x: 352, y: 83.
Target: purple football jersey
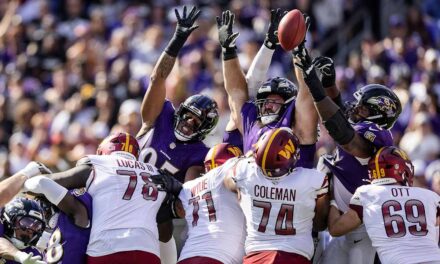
x: 27, y: 250
x: 234, y: 138
x: 160, y: 148
x: 252, y: 131
x: 68, y: 243
x: 346, y: 167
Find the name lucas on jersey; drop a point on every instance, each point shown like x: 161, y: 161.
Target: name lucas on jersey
x: 134, y: 164
x: 274, y: 193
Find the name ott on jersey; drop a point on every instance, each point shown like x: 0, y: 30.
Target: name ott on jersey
x: 274, y: 193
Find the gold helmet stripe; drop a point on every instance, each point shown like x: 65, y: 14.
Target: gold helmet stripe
x: 214, y: 150
x: 266, y: 150
x: 376, y: 161
x: 127, y: 141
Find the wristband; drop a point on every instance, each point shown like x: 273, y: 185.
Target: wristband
x: 174, y: 46
x: 229, y: 53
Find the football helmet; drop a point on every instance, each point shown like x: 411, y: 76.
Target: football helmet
x: 118, y: 142
x: 382, y: 103
x: 23, y: 220
x: 280, y: 86
x: 219, y: 154
x: 204, y: 108
x: 276, y: 152
x: 391, y: 165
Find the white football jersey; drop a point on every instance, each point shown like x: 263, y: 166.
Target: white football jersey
x: 279, y: 213
x: 400, y: 221
x: 216, y: 224
x: 125, y: 205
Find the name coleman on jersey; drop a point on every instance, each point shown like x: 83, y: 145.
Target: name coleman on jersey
x: 274, y: 193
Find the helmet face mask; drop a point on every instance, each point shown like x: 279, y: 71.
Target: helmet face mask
x: 202, y: 112
x: 24, y: 222
x: 375, y: 103
x: 391, y: 165
x: 275, y: 91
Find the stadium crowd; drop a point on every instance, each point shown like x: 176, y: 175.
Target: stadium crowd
x: 72, y: 72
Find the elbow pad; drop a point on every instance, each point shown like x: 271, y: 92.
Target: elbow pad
x: 339, y: 128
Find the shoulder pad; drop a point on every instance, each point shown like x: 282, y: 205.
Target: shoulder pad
x: 84, y: 161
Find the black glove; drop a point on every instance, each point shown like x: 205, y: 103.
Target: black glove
x: 225, y: 35
x: 185, y: 25
x: 166, y: 182
x: 271, y: 40
x: 304, y: 62
x: 326, y: 67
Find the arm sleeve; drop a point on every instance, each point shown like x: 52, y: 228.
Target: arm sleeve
x: 356, y: 204
x: 49, y: 188
x: 258, y: 70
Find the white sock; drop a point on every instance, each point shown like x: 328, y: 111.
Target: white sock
x: 168, y: 252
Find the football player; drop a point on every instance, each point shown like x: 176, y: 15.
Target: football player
x: 364, y: 131
x: 168, y: 135
x: 216, y: 227
x: 125, y: 202
x: 282, y: 203
x: 22, y: 223
x: 278, y: 101
x: 68, y: 214
x: 396, y: 215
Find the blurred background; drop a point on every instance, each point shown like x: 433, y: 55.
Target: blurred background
x: 72, y: 71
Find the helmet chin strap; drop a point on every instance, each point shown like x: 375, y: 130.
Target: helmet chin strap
x: 180, y: 136
x: 267, y: 119
x: 17, y: 243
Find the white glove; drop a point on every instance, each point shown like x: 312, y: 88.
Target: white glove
x: 43, y: 241
x: 34, y: 168
x: 28, y: 258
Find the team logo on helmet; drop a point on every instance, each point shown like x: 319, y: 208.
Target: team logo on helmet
x: 288, y: 151
x: 383, y: 103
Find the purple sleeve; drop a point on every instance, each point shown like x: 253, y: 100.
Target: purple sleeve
x: 249, y: 115
x: 85, y: 199
x: 234, y: 138
x: 306, y: 156
x: 2, y: 229
x: 378, y: 136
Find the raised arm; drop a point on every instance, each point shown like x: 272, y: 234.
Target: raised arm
x: 326, y: 67
x: 60, y: 197
x: 331, y: 115
x: 235, y: 81
x: 155, y: 96
x: 306, y: 117
x: 12, y: 185
x: 257, y: 72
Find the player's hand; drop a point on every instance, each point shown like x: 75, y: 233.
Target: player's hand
x: 185, y: 23
x: 166, y: 182
x: 225, y: 35
x: 326, y: 67
x: 34, y: 168
x: 28, y: 258
x: 303, y: 61
x: 271, y: 40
